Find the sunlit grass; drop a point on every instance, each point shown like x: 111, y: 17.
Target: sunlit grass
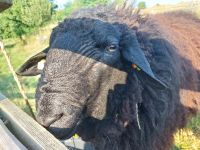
x: 21, y: 103
x: 188, y: 7
x: 189, y: 137
x: 18, y: 53
x: 197, y: 12
x: 186, y: 139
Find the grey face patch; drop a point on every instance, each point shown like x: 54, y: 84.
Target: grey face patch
x: 71, y: 82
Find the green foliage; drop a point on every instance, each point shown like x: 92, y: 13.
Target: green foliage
x: 88, y: 3
x: 119, y: 2
x: 24, y: 16
x: 77, y: 4
x: 141, y: 5
x: 59, y: 15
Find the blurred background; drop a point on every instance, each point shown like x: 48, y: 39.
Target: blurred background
x: 25, y: 29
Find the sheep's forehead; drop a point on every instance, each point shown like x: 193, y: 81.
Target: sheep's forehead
x: 86, y: 27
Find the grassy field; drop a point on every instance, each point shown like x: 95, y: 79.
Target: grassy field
x: 185, y: 139
x: 184, y: 6
x: 18, y: 53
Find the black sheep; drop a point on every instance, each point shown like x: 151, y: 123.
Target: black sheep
x: 115, y: 79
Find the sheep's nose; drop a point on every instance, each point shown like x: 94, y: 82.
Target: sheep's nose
x: 46, y: 121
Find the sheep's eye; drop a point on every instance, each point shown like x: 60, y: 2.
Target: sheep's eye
x: 112, y: 48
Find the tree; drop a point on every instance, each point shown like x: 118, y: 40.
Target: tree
x: 54, y: 7
x: 23, y: 17
x: 92, y: 2
x: 141, y: 5
x: 77, y: 4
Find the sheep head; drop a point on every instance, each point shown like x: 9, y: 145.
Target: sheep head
x: 86, y: 59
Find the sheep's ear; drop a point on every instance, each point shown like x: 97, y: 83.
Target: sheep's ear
x: 134, y: 54
x: 32, y: 66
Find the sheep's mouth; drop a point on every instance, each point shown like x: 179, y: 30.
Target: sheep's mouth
x: 62, y: 133
x: 48, y: 120
x: 56, y: 126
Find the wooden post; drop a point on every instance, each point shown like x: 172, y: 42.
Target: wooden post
x: 27, y: 130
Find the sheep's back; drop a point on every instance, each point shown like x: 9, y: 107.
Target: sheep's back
x: 181, y: 31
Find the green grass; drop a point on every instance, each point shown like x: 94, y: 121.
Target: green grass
x: 185, y: 139
x: 189, y: 138
x: 18, y: 53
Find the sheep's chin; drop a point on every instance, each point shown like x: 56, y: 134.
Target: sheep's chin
x: 64, y: 128
x: 62, y: 133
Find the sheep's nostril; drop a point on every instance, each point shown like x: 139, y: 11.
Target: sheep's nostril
x: 47, y: 121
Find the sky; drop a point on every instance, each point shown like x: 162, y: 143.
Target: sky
x: 149, y: 3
